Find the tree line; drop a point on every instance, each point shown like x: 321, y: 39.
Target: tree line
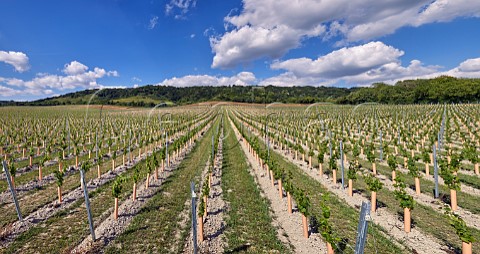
x: 443, y: 89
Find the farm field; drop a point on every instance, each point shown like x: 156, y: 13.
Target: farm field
x: 272, y: 178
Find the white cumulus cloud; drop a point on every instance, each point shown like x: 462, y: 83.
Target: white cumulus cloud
x: 249, y: 43
x: 343, y: 62
x: 8, y: 92
x: 470, y: 65
x: 18, y: 60
x: 359, y: 65
x: 241, y: 79
x: 77, y: 76
x: 74, y: 68
x: 283, y: 24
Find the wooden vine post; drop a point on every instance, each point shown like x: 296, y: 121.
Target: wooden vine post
x: 413, y: 171
x: 352, y: 175
x: 470, y: 153
x: 373, y: 185
x: 116, y: 192
x: 310, y: 154
x: 114, y: 157
x: 392, y: 164
x: 206, y: 193
x: 406, y: 202
x: 325, y: 226
x: 321, y: 159
x: 76, y: 152
x: 162, y: 158
x: 201, y: 212
x: 59, y: 177
x: 461, y: 230
x: 60, y: 161
x: 371, y: 158
x: 427, y: 160
x: 155, y: 165
x: 135, y: 178
x: 32, y: 153
x: 42, y: 164
x: 449, y: 174
x: 149, y: 166
x: 303, y: 203
x: 289, y: 190
x: 333, y: 167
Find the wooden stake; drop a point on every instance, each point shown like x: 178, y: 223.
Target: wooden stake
x: 417, y: 185
x: 350, y: 187
x: 59, y: 191
x: 280, y: 191
x: 147, y: 182
x: 205, y: 199
x: 289, y: 202
x: 200, y: 228
x: 407, y: 219
x: 374, y: 201
x: 334, y: 176
x: 134, y: 196
x: 466, y: 248
x: 271, y: 178
x: 115, y: 213
x: 329, y: 248
x: 453, y: 199
x: 305, y: 226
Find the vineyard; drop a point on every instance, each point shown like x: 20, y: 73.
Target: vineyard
x: 249, y: 178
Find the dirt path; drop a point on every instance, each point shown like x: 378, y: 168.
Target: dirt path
x: 214, y: 223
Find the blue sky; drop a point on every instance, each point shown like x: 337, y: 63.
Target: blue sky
x: 55, y: 47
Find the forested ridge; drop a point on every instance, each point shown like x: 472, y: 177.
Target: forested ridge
x: 442, y: 89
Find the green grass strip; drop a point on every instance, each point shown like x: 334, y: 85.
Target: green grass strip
x: 249, y: 224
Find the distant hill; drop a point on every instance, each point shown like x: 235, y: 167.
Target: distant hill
x: 152, y: 95
x: 438, y: 90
